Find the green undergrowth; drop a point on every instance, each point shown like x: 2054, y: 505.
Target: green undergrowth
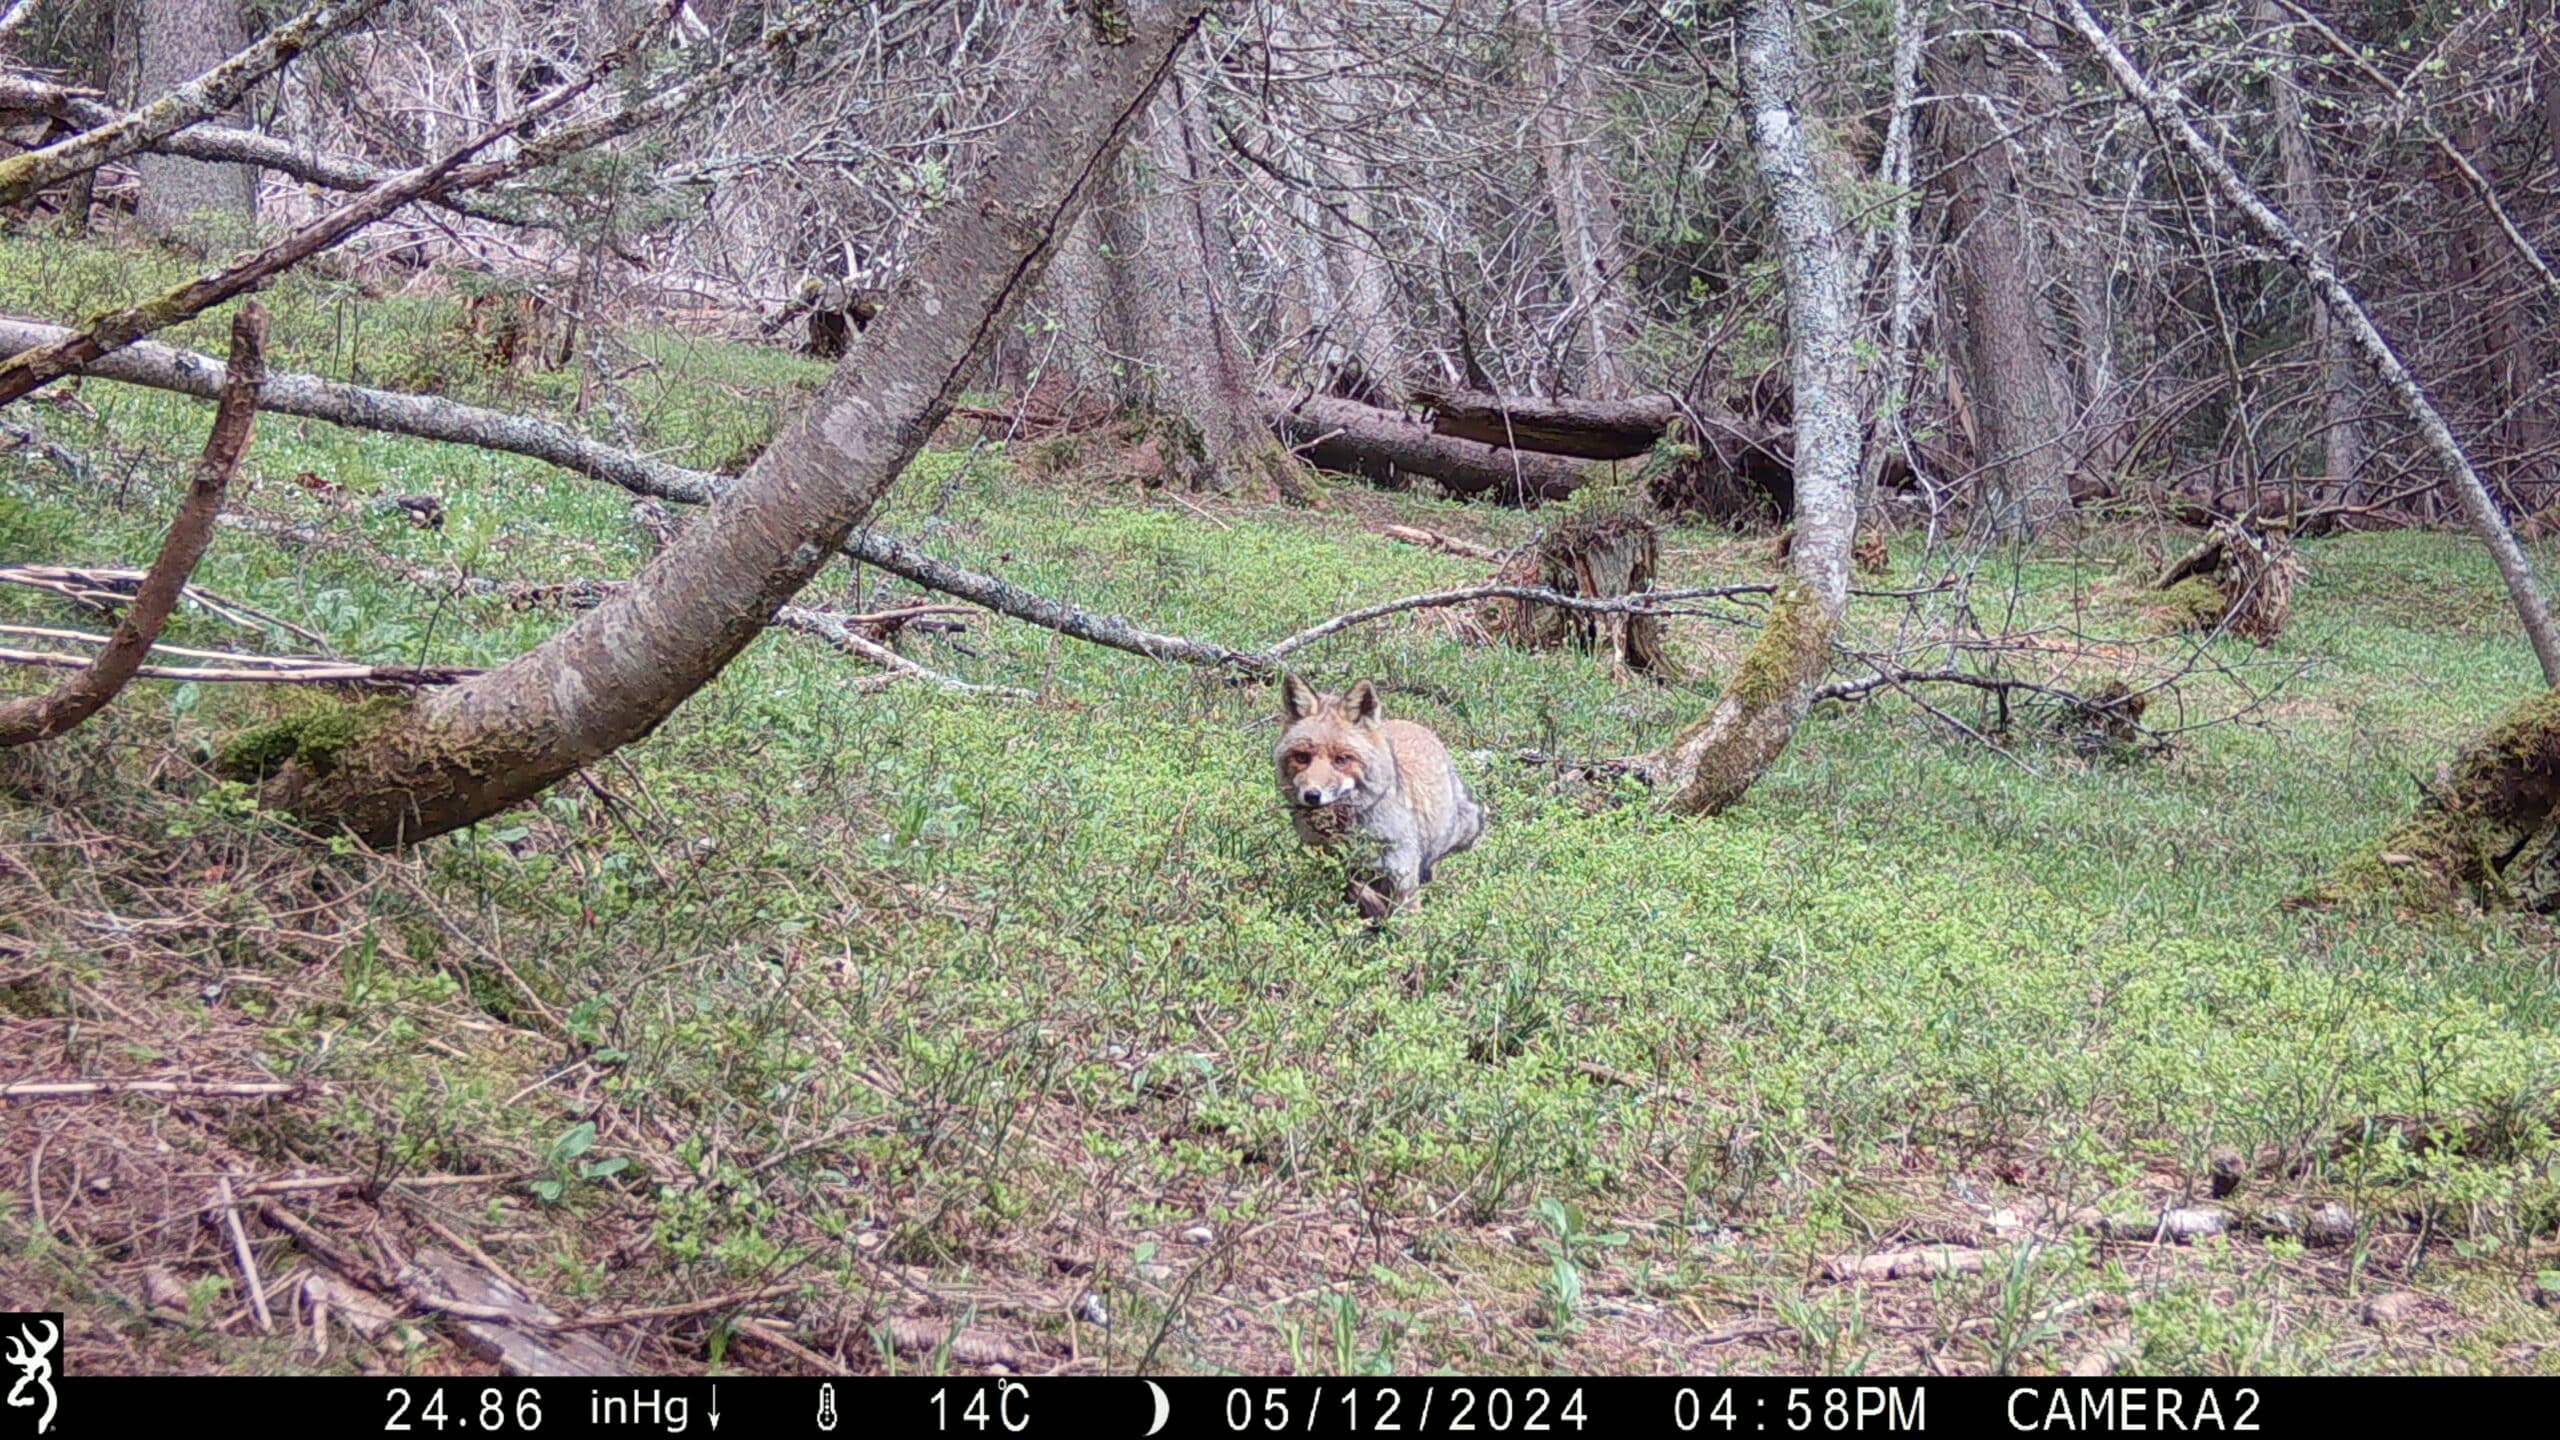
x: 1022, y: 995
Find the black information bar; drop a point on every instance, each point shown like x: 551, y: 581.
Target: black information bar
x: 997, y: 1407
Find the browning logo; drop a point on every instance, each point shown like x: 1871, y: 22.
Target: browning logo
x: 32, y: 1341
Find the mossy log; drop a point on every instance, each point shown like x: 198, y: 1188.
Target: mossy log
x: 2488, y: 830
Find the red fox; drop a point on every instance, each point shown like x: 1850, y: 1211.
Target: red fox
x: 1344, y: 768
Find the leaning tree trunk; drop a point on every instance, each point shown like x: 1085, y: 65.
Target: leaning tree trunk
x: 2165, y: 111
x: 1710, y: 765
x: 2008, y: 372
x: 190, y: 202
x: 617, y: 672
x: 59, y: 710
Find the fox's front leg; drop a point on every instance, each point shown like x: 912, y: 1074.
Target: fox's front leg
x: 1403, y: 866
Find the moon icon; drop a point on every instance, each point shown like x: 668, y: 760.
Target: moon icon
x: 1164, y: 1407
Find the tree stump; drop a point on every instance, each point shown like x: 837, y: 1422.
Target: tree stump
x: 1608, y: 548
x: 2251, y: 571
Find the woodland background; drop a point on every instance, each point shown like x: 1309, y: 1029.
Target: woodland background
x: 2024, y: 800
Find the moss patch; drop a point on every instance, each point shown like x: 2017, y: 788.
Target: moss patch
x: 2195, y: 603
x: 1789, y: 647
x: 2486, y: 833
x: 315, y: 738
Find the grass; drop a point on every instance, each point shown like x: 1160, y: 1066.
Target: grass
x: 991, y: 1016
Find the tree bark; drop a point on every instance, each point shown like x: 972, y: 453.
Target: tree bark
x: 1578, y: 188
x: 1185, y: 310
x: 189, y: 201
x: 614, y: 675
x: 1392, y: 448
x: 2009, y: 374
x: 2087, y: 258
x: 1142, y: 301
x: 2341, y: 433
x: 1361, y: 351
x: 42, y: 717
x: 2166, y: 111
x: 1591, y: 429
x: 1709, y: 766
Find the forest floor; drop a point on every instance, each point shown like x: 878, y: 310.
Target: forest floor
x: 858, y: 1020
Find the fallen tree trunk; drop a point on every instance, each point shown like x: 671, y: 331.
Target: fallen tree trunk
x: 429, y: 417
x: 1392, y: 448
x: 1589, y: 429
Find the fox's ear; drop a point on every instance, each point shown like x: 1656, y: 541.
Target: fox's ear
x: 1362, y: 703
x: 1298, y: 699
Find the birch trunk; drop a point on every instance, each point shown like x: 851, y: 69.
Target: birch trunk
x: 1714, y: 762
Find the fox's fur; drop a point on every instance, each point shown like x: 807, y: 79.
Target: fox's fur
x: 1347, y: 770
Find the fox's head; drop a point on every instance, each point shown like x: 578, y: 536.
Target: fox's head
x: 1330, y: 745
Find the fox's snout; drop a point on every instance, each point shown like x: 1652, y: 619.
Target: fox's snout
x: 1312, y: 794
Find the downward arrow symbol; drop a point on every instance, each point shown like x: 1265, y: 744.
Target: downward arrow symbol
x: 715, y: 1407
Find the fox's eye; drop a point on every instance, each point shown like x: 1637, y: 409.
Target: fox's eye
x: 1342, y: 759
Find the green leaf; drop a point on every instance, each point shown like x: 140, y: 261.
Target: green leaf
x: 580, y: 1138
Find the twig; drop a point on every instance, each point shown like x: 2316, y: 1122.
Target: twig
x: 229, y: 1206
x: 835, y: 630
x: 200, y: 1089
x: 319, y: 672
x: 100, y: 589
x: 764, y: 1332
x: 330, y: 1252
x: 1650, y: 602
x: 670, y: 1312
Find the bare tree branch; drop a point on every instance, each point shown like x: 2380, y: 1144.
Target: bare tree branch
x: 41, y: 717
x: 2165, y: 110
x: 205, y: 96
